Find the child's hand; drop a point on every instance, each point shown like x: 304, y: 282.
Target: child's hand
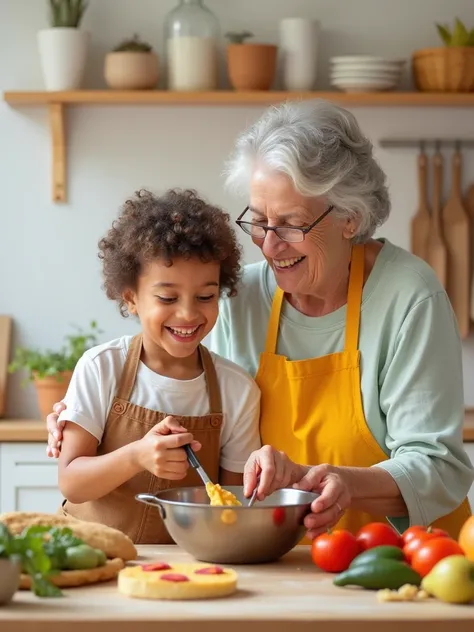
x: 160, y: 450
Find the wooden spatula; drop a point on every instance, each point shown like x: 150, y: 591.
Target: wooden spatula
x: 469, y: 205
x: 5, y: 333
x: 455, y: 226
x: 437, y: 255
x: 420, y: 223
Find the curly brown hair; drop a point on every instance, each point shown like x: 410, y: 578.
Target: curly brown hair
x: 178, y: 224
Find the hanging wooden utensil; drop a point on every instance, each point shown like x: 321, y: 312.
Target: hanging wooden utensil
x: 470, y: 212
x: 437, y: 255
x: 455, y: 226
x: 5, y: 333
x: 420, y: 223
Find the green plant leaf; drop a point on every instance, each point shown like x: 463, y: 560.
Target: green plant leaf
x: 460, y: 34
x: 470, y: 41
x: 444, y: 34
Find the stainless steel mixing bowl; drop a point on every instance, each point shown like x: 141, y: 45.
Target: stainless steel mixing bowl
x: 233, y: 535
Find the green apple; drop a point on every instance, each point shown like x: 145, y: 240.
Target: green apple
x: 451, y: 580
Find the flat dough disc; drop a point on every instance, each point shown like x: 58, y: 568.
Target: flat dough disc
x: 133, y: 581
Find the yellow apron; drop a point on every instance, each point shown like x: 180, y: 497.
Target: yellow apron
x: 312, y: 409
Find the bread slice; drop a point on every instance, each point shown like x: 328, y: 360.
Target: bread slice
x: 112, y: 542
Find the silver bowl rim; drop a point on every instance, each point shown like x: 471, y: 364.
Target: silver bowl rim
x: 256, y: 505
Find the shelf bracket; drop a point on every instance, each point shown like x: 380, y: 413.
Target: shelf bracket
x: 58, y: 151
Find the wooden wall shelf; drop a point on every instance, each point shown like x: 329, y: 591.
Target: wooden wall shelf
x: 58, y: 101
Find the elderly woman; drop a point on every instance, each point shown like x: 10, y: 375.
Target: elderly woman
x: 351, y: 339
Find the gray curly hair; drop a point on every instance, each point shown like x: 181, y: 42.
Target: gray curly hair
x: 321, y: 148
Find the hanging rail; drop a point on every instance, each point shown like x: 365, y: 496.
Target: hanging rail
x: 402, y: 143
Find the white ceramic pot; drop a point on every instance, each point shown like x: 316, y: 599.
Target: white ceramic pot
x: 9, y: 580
x: 127, y: 70
x: 298, y: 53
x: 63, y: 54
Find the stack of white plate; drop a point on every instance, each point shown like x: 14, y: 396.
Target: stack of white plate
x: 364, y: 73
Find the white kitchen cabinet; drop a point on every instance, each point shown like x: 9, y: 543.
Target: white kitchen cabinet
x: 28, y: 478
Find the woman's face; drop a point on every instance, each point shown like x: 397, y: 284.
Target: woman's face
x: 305, y: 267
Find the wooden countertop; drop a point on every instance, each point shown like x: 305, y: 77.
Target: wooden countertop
x: 271, y: 598
x: 31, y: 430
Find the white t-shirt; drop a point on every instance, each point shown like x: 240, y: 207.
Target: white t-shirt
x: 96, y: 379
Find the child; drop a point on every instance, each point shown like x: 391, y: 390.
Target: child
x: 166, y: 260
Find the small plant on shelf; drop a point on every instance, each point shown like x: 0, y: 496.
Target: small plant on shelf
x: 250, y: 66
x: 134, y: 44
x: 459, y: 36
x: 51, y: 371
x: 67, y: 13
x: 448, y: 68
x: 132, y: 65
x: 238, y: 37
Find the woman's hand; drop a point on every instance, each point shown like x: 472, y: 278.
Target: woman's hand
x: 335, y: 497
x: 275, y: 470
x: 55, y: 430
x: 160, y: 451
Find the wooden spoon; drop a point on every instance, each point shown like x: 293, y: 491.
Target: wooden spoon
x: 437, y: 255
x: 455, y: 225
x: 420, y: 223
x: 470, y: 211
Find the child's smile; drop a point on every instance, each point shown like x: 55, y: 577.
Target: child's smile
x: 177, y: 305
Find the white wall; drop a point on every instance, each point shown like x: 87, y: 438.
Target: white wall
x: 49, y: 273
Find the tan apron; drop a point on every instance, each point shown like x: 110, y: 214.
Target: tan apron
x: 128, y: 422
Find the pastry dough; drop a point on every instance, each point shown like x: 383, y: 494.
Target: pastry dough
x: 114, y: 543
x: 177, y: 581
x: 220, y: 496
x: 70, y: 579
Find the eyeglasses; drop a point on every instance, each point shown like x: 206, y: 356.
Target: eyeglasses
x: 285, y: 233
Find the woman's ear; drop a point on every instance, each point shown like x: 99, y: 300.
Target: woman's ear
x: 350, y: 228
x: 130, y: 299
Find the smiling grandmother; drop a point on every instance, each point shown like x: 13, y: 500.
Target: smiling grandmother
x: 351, y: 339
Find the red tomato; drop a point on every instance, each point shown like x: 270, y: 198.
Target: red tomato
x: 431, y: 552
x: 418, y: 539
x: 413, y: 532
x: 377, y: 534
x: 334, y: 551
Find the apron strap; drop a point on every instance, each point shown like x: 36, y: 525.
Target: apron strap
x: 215, y: 401
x: 129, y: 373
x: 354, y: 297
x: 274, y: 322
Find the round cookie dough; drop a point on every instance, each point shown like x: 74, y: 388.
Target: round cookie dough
x: 177, y: 581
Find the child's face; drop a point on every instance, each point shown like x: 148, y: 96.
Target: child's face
x: 177, y: 305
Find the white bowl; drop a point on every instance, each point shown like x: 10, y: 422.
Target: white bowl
x: 366, y: 59
x: 363, y: 85
x: 365, y: 74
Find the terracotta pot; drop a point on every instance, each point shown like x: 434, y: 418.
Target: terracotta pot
x: 9, y: 579
x: 448, y: 69
x: 131, y: 70
x: 251, y: 66
x: 50, y: 391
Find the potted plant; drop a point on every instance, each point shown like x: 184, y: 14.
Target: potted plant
x: 63, y: 46
x: 132, y: 65
x: 51, y: 371
x: 250, y: 66
x: 24, y: 553
x: 449, y: 68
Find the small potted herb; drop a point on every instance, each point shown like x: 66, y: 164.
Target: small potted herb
x: 51, y: 371
x: 24, y: 553
x: 132, y: 65
x: 250, y: 66
x: 448, y: 68
x: 63, y: 46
